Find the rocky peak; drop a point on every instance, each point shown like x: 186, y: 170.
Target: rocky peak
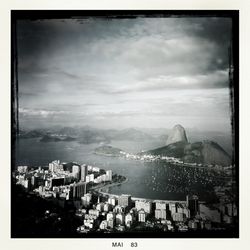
x: 177, y: 134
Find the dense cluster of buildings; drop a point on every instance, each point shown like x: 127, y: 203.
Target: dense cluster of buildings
x: 125, y: 213
x: 170, y: 159
x: 149, y: 157
x: 111, y: 213
x: 122, y: 213
x: 59, y: 182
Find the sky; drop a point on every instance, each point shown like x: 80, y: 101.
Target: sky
x: 121, y: 73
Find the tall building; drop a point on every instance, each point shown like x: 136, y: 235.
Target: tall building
x: 87, y: 179
x: 41, y: 190
x: 160, y: 214
x: 172, y: 208
x: 110, y: 215
x: 100, y: 206
x: 119, y: 209
x: 103, y: 225
x: 180, y: 208
x: 111, y: 222
x: 186, y: 211
x: 109, y: 175
x: 95, y: 169
x: 193, y: 204
x: 34, y: 181
x: 107, y: 207
x: 55, y: 166
x: 84, y: 172
x: 26, y: 184
x: 112, y: 201
x: 177, y: 216
x: 160, y: 205
x: 124, y: 200
x: 141, y: 216
x: 76, y: 172
x: 86, y: 199
x: 128, y: 220
x: 78, y: 189
x: 22, y: 169
x: 90, y: 178
x: 119, y: 219
x: 134, y: 211
x: 51, y: 167
x: 192, y: 224
x: 145, y: 205
x: 94, y: 212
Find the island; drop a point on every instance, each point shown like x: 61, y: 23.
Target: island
x: 108, y: 150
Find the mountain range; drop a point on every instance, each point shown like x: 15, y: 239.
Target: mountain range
x: 199, y: 146
x: 86, y: 135
x: 204, y: 152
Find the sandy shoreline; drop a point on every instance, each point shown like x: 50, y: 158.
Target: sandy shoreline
x: 101, y: 187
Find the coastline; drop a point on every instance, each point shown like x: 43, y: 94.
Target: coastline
x: 102, y: 186
x: 100, y: 191
x: 175, y: 162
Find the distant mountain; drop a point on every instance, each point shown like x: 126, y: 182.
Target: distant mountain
x: 87, y: 134
x: 92, y: 136
x: 205, y: 152
x: 32, y: 133
x: 56, y: 138
x: 177, y: 134
x: 108, y: 150
x: 142, y: 136
x: 71, y: 131
x: 49, y: 138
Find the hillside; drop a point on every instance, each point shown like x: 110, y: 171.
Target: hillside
x: 205, y: 152
x: 174, y: 150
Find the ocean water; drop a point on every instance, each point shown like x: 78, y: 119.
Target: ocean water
x: 152, y: 180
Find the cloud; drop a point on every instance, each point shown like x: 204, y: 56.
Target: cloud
x: 42, y: 113
x: 217, y: 79
x: 132, y: 69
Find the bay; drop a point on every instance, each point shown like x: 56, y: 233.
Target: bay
x: 153, y: 180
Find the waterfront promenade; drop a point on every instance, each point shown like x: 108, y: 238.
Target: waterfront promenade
x: 105, y: 194
x: 99, y: 190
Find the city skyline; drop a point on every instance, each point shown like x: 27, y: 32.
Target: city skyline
x: 110, y: 73
x: 96, y: 211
